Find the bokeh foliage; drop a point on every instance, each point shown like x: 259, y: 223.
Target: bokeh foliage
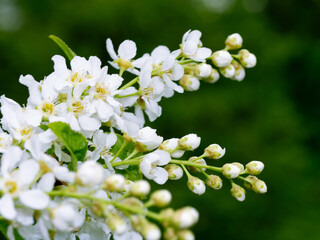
x: 272, y: 116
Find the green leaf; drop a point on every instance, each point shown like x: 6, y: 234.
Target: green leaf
x: 75, y: 142
x: 126, y: 151
x: 132, y: 173
x: 65, y: 48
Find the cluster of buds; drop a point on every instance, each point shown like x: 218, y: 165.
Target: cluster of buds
x: 74, y: 158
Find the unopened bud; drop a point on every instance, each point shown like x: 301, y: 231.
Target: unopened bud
x: 250, y: 181
x: 197, y: 161
x: 230, y: 170
x: 254, y: 167
x: 239, y: 165
x: 238, y: 192
x: 247, y: 59
x: 214, y: 151
x: 116, y: 224
x: 214, y: 76
x: 240, y: 72
x: 133, y: 202
x: 189, y: 142
x: 140, y: 188
x: 170, y: 145
x: 203, y: 70
x: 167, y: 215
x: 259, y: 187
x: 234, y: 41
x: 115, y: 183
x: 170, y: 234
x: 185, y: 234
x: 161, y: 198
x: 221, y: 58
x: 89, y: 173
x: 196, y: 185
x: 150, y: 231
x: 190, y: 83
x: 228, y: 71
x: 214, y: 182
x: 175, y: 172
x: 185, y: 217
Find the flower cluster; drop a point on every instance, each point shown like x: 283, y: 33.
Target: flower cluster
x: 74, y: 157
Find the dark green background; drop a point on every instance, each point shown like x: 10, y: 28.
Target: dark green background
x: 271, y: 116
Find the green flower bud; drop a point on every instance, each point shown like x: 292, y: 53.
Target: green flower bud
x: 214, y: 76
x: 198, y: 161
x: 240, y: 72
x: 254, y: 167
x: 114, y: 183
x: 230, y: 170
x: 234, y: 41
x: 214, y: 182
x: 239, y: 165
x: 185, y: 234
x: 170, y: 234
x: 196, y: 185
x: 252, y: 180
x: 238, y: 192
x: 259, y: 187
x: 247, y: 59
x: 214, y: 151
x: 175, y: 172
x: 140, y: 188
x: 228, y: 71
x: 116, y: 224
x: 161, y: 198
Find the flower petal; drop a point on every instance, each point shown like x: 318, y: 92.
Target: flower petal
x: 35, y: 199
x: 7, y: 209
x: 161, y: 175
x: 127, y: 50
x: 110, y: 49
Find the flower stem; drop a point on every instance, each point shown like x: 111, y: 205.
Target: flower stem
x: 188, y: 163
x: 124, y: 144
x: 129, y: 84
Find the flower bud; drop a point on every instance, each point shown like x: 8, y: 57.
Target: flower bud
x: 234, y: 41
x: 230, y: 170
x: 170, y: 145
x: 198, y: 161
x: 147, y: 139
x: 140, y: 188
x: 175, y: 172
x: 185, y: 235
x: 185, y: 217
x: 214, y: 76
x: 170, y: 234
x: 221, y: 58
x: 214, y: 182
x: 116, y: 224
x: 203, y: 70
x: 254, y: 167
x: 196, y: 185
x: 247, y: 59
x: 239, y: 165
x: 161, y: 198
x: 190, y: 82
x: 89, y: 173
x: 97, y: 209
x: 238, y: 192
x: 115, y: 183
x: 214, y: 151
x: 240, y: 72
x: 167, y: 214
x: 250, y: 180
x: 189, y: 142
x: 150, y: 231
x: 228, y: 71
x: 133, y: 202
x: 259, y: 187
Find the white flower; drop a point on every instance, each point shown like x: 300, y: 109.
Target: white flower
x: 5, y: 141
x: 191, y: 46
x: 103, y: 143
x: 214, y: 76
x: 140, y: 188
x: 214, y: 151
x: 189, y: 142
x: 149, y: 166
x: 254, y: 167
x: 185, y: 217
x: 247, y: 59
x: 221, y: 58
x: 196, y: 185
x: 172, y: 146
x: 147, y: 139
x: 190, y: 82
x: 90, y: 173
x: 234, y: 41
x: 240, y: 72
x: 65, y: 217
x: 203, y: 70
x: 161, y: 198
x: 126, y: 52
x: 230, y: 170
x: 228, y: 71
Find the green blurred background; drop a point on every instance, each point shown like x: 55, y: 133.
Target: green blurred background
x: 272, y: 116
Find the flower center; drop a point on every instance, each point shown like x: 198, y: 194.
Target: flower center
x: 11, y: 187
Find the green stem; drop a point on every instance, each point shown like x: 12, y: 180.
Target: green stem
x: 134, y: 152
x: 129, y: 95
x: 124, y: 144
x: 188, y: 163
x: 129, y: 84
x: 186, y: 61
x: 185, y: 170
x: 126, y: 162
x: 204, y: 173
x: 244, y: 179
